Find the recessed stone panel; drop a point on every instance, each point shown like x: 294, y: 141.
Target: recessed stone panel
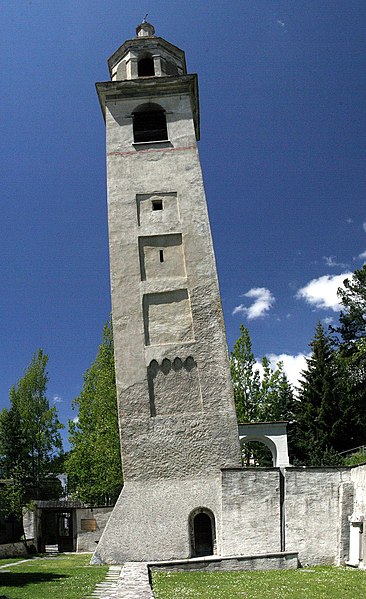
x: 161, y: 257
x: 174, y: 386
x: 167, y: 317
x: 157, y: 208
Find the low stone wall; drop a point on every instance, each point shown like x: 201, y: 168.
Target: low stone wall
x: 318, y: 503
x: 251, y: 511
x: 90, y: 524
x: 15, y: 549
x: 266, y: 561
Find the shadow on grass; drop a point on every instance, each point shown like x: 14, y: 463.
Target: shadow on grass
x: 22, y: 579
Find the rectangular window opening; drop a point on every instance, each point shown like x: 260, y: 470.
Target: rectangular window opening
x: 157, y: 204
x: 161, y: 254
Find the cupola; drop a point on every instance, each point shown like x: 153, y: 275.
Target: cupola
x: 146, y: 55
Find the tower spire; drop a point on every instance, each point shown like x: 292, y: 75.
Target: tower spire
x: 145, y: 29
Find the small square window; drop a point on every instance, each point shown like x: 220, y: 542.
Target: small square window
x: 157, y: 204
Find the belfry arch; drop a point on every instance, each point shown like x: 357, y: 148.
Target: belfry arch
x: 272, y: 434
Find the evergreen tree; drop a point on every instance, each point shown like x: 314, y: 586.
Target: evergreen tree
x: 353, y: 316
x: 352, y: 357
x: 30, y: 434
x: 94, y: 462
x: 319, y: 413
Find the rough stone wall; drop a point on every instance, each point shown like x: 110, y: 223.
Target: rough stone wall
x: 8, y: 550
x: 150, y: 521
x: 317, y: 503
x: 358, y: 477
x: 98, y: 518
x: 250, y: 511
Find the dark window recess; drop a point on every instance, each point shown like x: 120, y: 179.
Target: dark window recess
x: 157, y: 204
x: 150, y: 125
x: 145, y: 67
x: 161, y: 254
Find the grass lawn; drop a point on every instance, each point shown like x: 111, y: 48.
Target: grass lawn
x: 308, y: 583
x: 60, y: 577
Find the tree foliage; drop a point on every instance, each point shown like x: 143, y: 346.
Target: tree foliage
x: 258, y: 398
x: 352, y: 354
x: 353, y: 316
x: 319, y: 418
x: 29, y: 441
x: 246, y: 380
x: 94, y: 462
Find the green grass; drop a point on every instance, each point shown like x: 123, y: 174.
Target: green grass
x: 308, y: 583
x: 61, y: 577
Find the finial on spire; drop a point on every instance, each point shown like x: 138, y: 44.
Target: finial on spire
x: 145, y: 29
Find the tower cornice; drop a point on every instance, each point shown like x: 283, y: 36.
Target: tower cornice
x: 152, y: 87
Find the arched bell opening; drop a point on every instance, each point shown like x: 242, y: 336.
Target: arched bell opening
x: 202, y: 532
x: 149, y: 123
x: 145, y: 67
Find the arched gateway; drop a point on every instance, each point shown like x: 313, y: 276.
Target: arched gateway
x: 271, y: 434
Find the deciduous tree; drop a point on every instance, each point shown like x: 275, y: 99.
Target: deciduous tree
x: 258, y: 398
x: 94, y: 462
x: 29, y: 440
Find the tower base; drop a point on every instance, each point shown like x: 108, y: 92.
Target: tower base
x: 154, y: 520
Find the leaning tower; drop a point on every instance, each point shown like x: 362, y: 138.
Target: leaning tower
x: 176, y: 412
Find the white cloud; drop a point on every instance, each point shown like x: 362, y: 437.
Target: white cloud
x: 293, y: 365
x: 349, y: 220
x: 75, y: 420
x: 281, y: 23
x: 364, y: 226
x: 362, y: 256
x: 331, y: 261
x: 328, y: 320
x: 263, y: 301
x: 322, y: 292
x: 57, y: 399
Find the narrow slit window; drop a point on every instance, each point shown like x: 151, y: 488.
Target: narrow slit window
x: 157, y: 204
x: 161, y: 255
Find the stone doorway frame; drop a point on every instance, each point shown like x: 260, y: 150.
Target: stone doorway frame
x: 192, y: 543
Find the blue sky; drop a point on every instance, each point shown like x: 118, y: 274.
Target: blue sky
x: 282, y: 97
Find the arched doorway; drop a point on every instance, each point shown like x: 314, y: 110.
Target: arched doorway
x: 202, y: 532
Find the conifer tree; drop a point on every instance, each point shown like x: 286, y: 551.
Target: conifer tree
x: 352, y: 357
x: 319, y: 417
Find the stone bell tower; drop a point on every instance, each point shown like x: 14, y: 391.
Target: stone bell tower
x: 177, y: 417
